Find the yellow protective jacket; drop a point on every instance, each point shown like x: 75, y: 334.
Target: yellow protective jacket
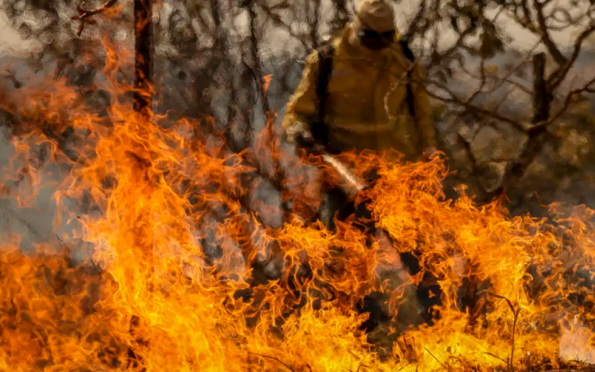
x: 366, y: 107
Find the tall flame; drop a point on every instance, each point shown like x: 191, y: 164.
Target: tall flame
x: 174, y: 248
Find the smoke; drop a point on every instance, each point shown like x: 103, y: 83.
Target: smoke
x: 28, y: 220
x: 576, y: 343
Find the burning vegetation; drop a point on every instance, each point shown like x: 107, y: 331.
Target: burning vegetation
x: 187, y: 274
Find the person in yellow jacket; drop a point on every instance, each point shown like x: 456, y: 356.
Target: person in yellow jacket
x: 368, y: 105
x: 374, y: 100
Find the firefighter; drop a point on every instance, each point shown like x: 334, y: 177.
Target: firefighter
x: 374, y: 99
x: 363, y: 92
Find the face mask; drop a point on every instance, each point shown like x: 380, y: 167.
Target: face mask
x: 376, y: 40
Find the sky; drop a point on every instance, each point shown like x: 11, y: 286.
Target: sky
x: 11, y: 41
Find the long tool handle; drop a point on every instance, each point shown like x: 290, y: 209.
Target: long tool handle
x: 349, y: 182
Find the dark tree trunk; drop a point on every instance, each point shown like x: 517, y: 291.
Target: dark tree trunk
x: 542, y: 96
x: 143, y: 68
x: 143, y: 53
x: 542, y: 99
x: 142, y: 97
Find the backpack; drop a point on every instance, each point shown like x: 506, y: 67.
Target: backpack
x: 325, y: 69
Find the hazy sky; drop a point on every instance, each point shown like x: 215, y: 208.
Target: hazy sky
x: 10, y: 39
x: 8, y: 35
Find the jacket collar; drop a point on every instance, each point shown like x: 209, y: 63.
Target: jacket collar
x: 350, y: 45
x: 349, y: 49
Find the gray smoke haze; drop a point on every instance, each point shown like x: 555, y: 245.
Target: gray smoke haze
x: 27, y: 213
x: 34, y: 223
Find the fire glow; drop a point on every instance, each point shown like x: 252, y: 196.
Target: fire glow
x: 157, y: 197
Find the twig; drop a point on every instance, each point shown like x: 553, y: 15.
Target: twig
x: 497, y: 357
x: 560, y: 74
x: 275, y: 359
x: 463, y: 363
x: 545, y: 36
x: 537, y: 128
x: 360, y: 366
x: 443, y: 366
x: 470, y: 154
x: 402, y: 368
x: 414, y: 26
x: 276, y: 19
x: 516, y: 317
x: 507, y: 77
x: 454, y: 99
x: 410, y: 349
x: 86, y: 14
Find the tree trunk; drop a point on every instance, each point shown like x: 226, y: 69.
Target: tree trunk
x: 143, y: 68
x: 142, y: 101
x: 542, y: 99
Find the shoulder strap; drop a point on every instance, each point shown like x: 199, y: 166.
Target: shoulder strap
x: 409, y: 55
x: 325, y: 68
x: 407, y: 50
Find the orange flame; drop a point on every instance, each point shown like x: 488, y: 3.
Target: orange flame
x: 175, y: 247
x: 266, y: 83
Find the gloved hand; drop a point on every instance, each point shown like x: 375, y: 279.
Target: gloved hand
x: 428, y: 152
x: 305, y: 140
x: 299, y: 133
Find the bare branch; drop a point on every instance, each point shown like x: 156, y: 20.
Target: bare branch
x: 419, y: 24
x: 470, y: 154
x: 277, y: 21
x: 442, y: 364
x: 527, y: 14
x: 439, y: 58
x: 545, y: 36
x: 497, y: 357
x: 565, y: 19
x: 275, y: 359
x: 515, y: 312
x: 569, y: 97
x: 85, y: 14
x: 559, y: 75
x: 454, y: 99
